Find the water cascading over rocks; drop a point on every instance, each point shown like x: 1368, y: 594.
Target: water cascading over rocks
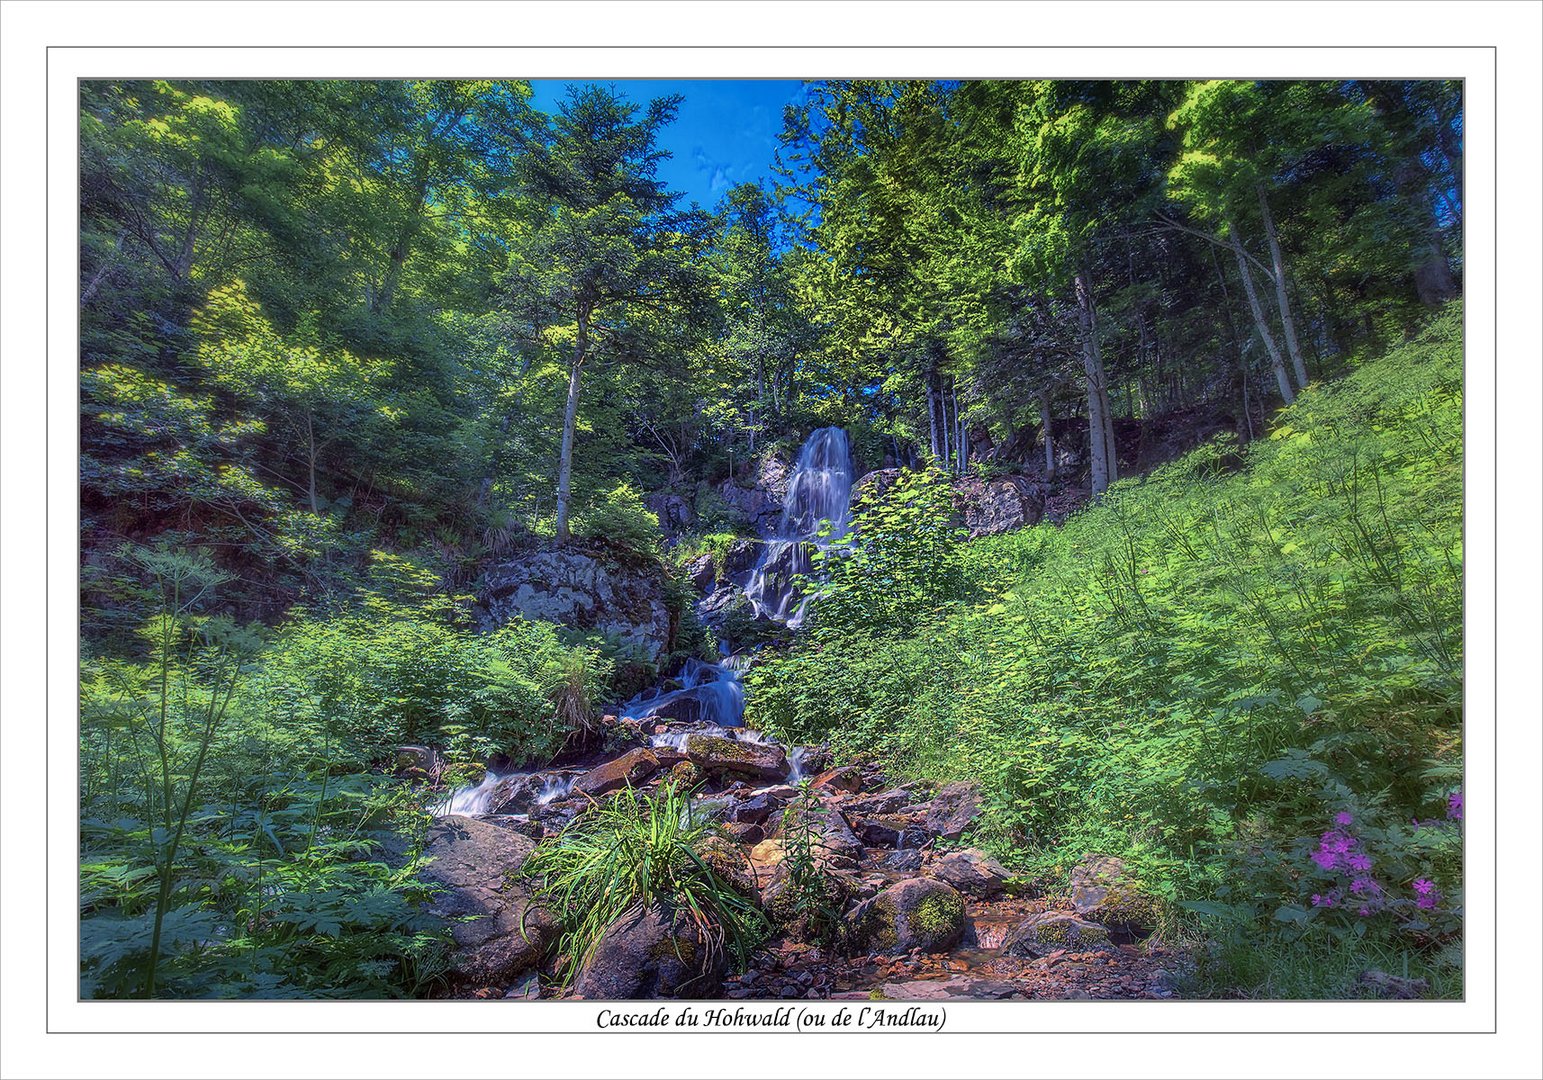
x: 819, y: 491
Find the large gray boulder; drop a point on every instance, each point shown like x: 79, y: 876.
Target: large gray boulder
x: 972, y: 872
x: 674, y: 512
x: 497, y: 928
x: 653, y: 953
x: 758, y: 497
x: 585, y: 590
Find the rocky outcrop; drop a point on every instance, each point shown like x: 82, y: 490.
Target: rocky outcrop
x: 989, y: 507
x: 656, y: 953
x: 758, y: 498
x: 497, y: 929
x: 673, y: 511
x: 918, y: 913
x: 585, y: 589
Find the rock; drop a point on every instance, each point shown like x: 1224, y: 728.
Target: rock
x: 686, y: 774
x: 1043, y: 933
x: 739, y: 558
x: 891, y: 830
x: 701, y: 572
x: 885, y: 802
x: 587, y: 590
x: 745, y: 832
x: 953, y: 988
x: 871, y: 486
x: 904, y: 860
x: 972, y: 872
x: 766, y: 761
x: 918, y: 913
x: 732, y: 864
x: 656, y: 953
x: 754, y: 810
x: 417, y: 762
x: 825, y: 895
x: 497, y: 929
x: 632, y: 768
x: 845, y: 779
x: 831, y: 832
x: 952, y: 811
x: 813, y: 759
x: 759, y: 501
x: 995, y: 506
x: 527, y: 989
x: 673, y: 511
x: 1103, y: 889
x: 1384, y: 985
x: 768, y: 853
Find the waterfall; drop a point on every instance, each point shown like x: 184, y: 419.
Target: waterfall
x: 819, y: 490
x: 709, y: 692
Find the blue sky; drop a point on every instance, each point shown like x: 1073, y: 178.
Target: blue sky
x: 725, y: 133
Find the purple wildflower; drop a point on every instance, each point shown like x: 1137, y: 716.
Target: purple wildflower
x: 1455, y: 805
x: 1428, y: 902
x: 1362, y: 885
x: 1320, y: 900
x: 1360, y: 861
x: 1344, y: 818
x: 1363, y: 911
x: 1422, y: 887
x: 1325, y: 858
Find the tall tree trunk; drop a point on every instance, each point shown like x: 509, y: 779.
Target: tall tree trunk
x: 1288, y: 324
x: 1049, y: 433
x: 1093, y: 368
x: 932, y: 413
x: 1260, y: 323
x: 570, y: 424
x: 310, y: 458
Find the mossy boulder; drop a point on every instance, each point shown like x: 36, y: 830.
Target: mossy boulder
x: 920, y: 913
x: 762, y: 761
x: 1047, y: 931
x: 631, y: 769
x: 1104, y: 889
x: 686, y: 775
x: 655, y: 953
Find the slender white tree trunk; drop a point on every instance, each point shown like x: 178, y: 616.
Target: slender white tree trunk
x: 1045, y: 427
x: 1093, y: 368
x: 1260, y: 323
x: 1288, y: 324
x: 570, y: 423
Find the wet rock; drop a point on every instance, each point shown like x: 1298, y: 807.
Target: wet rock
x: 498, y: 930
x: 732, y: 864
x: 824, y: 894
x: 686, y: 774
x: 972, y: 872
x: 739, y: 559
x: 904, y: 860
x: 1043, y: 933
x: 766, y: 761
x: 830, y: 831
x: 758, y: 498
x: 918, y: 913
x: 632, y: 768
x: 892, y: 830
x: 1104, y: 889
x: 952, y: 810
x: 656, y: 953
x: 846, y: 779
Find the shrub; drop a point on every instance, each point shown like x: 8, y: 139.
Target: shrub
x: 620, y: 518
x: 632, y: 852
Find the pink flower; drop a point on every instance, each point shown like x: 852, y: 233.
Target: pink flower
x: 1363, y: 910
x: 1455, y: 805
x: 1344, y: 818
x: 1323, y: 901
x: 1422, y: 886
x: 1360, y: 861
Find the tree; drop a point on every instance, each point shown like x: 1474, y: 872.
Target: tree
x: 605, y: 242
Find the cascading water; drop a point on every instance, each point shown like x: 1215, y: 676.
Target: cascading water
x: 819, y: 491
x: 709, y: 692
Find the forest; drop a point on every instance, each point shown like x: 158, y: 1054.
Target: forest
x: 1012, y: 549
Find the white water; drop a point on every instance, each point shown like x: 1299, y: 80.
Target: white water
x: 712, y: 692
x: 819, y: 491
x: 469, y: 801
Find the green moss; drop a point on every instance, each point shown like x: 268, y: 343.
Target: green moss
x: 938, y: 915
x: 676, y: 948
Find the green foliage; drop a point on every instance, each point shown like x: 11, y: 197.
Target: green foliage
x: 628, y: 854
x: 811, y: 905
x: 1131, y: 676
x: 619, y: 517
